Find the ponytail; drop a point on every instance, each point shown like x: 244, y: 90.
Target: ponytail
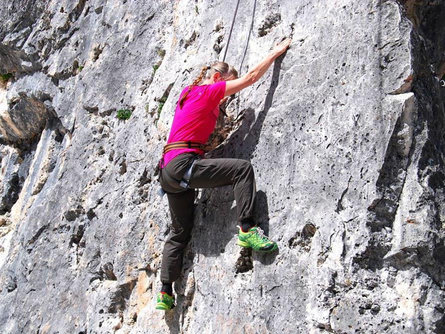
x: 196, y: 82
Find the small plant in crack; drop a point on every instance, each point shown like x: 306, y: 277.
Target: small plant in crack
x: 162, y: 101
x: 123, y: 114
x: 6, y: 77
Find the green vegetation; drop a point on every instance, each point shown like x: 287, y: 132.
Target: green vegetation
x: 123, y: 114
x: 162, y: 101
x: 155, y: 68
x: 80, y: 68
x: 196, y: 10
x: 5, y: 77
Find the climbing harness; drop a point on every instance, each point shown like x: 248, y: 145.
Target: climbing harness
x: 231, y: 28
x: 187, y: 175
x: 184, y: 183
x: 182, y: 144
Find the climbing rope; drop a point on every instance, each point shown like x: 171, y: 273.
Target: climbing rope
x: 231, y: 28
x: 248, y: 37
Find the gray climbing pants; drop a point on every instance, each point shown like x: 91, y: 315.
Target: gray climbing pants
x: 206, y: 173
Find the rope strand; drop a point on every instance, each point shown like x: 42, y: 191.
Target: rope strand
x: 248, y: 38
x: 231, y: 28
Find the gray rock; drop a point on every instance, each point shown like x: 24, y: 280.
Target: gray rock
x: 345, y: 133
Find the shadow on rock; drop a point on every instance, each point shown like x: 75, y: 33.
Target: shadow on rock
x: 262, y: 218
x: 214, y: 222
x: 248, y: 133
x: 185, y: 294
x: 172, y: 320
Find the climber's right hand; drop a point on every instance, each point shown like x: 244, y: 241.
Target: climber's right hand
x: 281, y: 47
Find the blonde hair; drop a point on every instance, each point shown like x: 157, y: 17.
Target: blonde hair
x: 223, y: 68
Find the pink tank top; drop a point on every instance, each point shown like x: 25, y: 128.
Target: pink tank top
x: 196, y: 120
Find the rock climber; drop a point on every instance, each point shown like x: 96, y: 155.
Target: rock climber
x: 183, y: 168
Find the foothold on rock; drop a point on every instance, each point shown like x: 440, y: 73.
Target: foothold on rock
x: 11, y: 285
x: 77, y: 236
x: 123, y: 168
x: 73, y: 214
x: 308, y: 231
x: 304, y: 237
x: 108, y: 271
x: 107, y: 112
x: 145, y: 178
x: 271, y: 21
x: 190, y: 41
x: 218, y: 27
x: 375, y: 309
x: 91, y: 109
x: 217, y: 47
x: 97, y: 51
x: 134, y: 317
x: 91, y: 214
x: 244, y: 262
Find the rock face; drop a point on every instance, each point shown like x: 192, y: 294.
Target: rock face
x: 345, y: 133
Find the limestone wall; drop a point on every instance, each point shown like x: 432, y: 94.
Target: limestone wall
x: 345, y: 133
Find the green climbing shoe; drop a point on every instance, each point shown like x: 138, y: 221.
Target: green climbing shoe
x: 165, y: 301
x: 256, y: 240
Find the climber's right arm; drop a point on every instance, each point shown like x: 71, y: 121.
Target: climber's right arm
x: 234, y: 86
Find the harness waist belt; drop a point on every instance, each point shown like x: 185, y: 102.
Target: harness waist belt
x: 182, y: 144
